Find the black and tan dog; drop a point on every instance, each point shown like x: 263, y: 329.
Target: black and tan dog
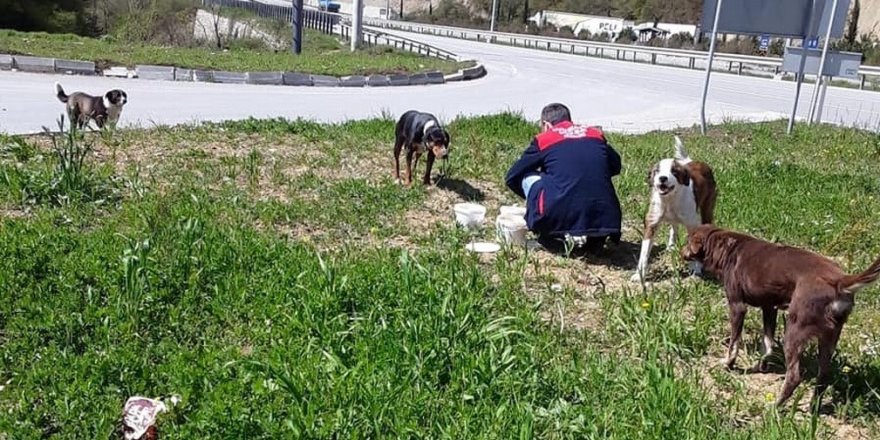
x: 82, y: 107
x: 419, y: 133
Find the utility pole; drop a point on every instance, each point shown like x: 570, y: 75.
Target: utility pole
x: 296, y: 21
x: 494, y: 10
x: 357, y: 23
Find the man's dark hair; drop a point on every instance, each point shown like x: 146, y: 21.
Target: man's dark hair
x: 555, y: 113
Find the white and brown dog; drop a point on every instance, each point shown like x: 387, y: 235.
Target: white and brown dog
x: 82, y: 107
x: 683, y: 192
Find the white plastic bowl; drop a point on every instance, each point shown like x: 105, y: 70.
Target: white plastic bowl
x: 483, y: 247
x: 469, y: 215
x: 511, y: 229
x: 513, y: 210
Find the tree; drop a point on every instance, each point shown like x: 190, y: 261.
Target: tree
x: 852, y: 27
x: 42, y: 15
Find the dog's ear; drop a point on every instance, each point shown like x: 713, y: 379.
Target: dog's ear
x: 681, y: 174
x: 446, y: 137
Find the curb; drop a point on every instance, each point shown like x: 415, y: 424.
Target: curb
x: 33, y: 64
x: 290, y: 79
x: 75, y: 67
x: 6, y: 62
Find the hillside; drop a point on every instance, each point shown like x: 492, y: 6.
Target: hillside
x: 869, y: 17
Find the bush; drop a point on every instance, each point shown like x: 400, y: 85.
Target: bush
x: 680, y: 40
x: 777, y: 47
x: 160, y: 22
x: 66, y: 176
x: 601, y: 36
x: 657, y: 42
x: 583, y: 35
x: 566, y: 32
x: 626, y: 36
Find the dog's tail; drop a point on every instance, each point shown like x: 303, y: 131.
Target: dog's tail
x: 59, y: 92
x: 854, y: 283
x: 681, y: 154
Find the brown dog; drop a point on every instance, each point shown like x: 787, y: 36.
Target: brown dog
x: 814, y: 289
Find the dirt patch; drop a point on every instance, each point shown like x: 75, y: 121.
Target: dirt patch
x: 13, y: 213
x: 750, y: 395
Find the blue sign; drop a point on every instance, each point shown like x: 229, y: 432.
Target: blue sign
x: 813, y: 43
x: 764, y: 42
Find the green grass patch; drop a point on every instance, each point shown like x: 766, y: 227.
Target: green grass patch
x: 322, y: 54
x: 272, y: 274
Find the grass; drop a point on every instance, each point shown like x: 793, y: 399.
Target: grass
x: 322, y: 54
x: 284, y: 286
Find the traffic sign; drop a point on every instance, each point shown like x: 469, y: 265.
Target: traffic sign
x: 764, y: 42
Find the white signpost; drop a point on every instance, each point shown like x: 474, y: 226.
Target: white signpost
x: 780, y: 18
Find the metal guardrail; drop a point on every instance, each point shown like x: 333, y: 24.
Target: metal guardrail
x: 373, y: 37
x: 334, y: 24
x: 626, y: 52
x: 312, y: 18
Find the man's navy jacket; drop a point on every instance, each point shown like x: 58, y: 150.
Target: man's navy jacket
x: 575, y: 194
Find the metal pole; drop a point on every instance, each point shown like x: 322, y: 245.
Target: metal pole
x: 709, y: 67
x: 494, y: 9
x: 821, y: 101
x: 820, y: 76
x: 296, y: 21
x: 800, y: 75
x: 388, y: 9
x: 357, y: 17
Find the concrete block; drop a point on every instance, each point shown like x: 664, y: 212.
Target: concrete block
x: 418, y: 79
x: 435, y: 77
x: 265, y: 78
x: 296, y: 79
x: 5, y: 62
x: 353, y: 81
x: 474, y: 72
x: 230, y: 77
x: 34, y: 64
x: 203, y: 75
x: 378, y: 81
x: 183, y: 74
x: 452, y: 77
x: 75, y: 67
x: 325, y: 81
x: 398, y: 80
x: 159, y: 73
x: 119, y: 72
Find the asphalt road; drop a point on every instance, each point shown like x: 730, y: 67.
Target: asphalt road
x: 620, y: 96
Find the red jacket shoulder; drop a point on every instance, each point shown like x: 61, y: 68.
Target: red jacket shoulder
x: 558, y: 134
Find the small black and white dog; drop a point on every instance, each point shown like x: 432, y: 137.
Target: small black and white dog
x: 82, y: 107
x: 419, y: 133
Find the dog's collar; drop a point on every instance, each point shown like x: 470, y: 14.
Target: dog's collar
x: 427, y: 126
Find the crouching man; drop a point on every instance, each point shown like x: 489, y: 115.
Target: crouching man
x: 565, y: 176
